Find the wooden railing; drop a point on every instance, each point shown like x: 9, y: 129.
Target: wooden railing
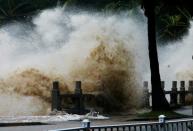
x: 177, y: 94
x: 78, y: 99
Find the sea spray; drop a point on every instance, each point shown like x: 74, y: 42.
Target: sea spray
x: 14, y: 104
x: 176, y: 61
x: 108, y: 53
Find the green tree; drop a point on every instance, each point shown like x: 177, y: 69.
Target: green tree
x: 172, y: 22
x: 159, y: 101
x: 15, y: 10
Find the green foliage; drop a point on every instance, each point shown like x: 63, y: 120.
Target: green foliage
x: 42, y: 4
x: 117, y: 6
x: 185, y: 13
x: 14, y: 10
x: 102, y: 5
x: 172, y: 22
x: 172, y: 27
x: 70, y: 3
x: 11, y: 10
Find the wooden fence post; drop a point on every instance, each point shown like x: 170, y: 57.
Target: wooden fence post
x: 190, y: 88
x: 56, y: 103
x: 182, y: 92
x: 146, y: 94
x: 174, y: 95
x: 79, y: 104
x: 78, y: 89
x: 163, y: 85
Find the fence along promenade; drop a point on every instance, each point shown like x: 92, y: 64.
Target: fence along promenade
x: 78, y: 99
x: 172, y: 125
x: 177, y: 97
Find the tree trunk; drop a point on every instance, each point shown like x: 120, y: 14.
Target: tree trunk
x: 159, y: 101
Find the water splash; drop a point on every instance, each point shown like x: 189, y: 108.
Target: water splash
x: 176, y: 61
x: 100, y: 50
x: 107, y: 53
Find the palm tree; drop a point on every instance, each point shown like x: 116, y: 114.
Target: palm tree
x: 174, y: 27
x: 172, y: 23
x: 159, y: 101
x: 15, y: 10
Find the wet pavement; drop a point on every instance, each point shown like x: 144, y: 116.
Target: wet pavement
x: 185, y: 110
x: 61, y: 125
x: 45, y: 126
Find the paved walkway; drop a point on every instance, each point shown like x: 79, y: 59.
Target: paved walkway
x: 187, y: 110
x: 60, y: 125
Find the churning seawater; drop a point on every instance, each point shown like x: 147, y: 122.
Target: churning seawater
x: 108, y: 53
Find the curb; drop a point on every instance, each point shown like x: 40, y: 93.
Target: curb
x: 22, y: 124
